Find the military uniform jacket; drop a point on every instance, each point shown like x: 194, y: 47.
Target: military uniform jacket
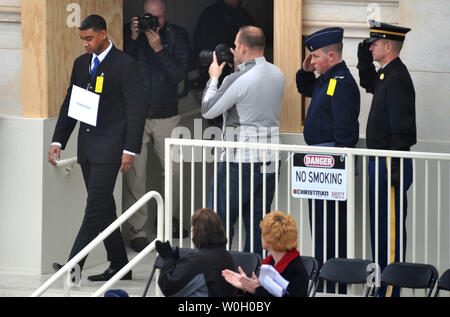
x: 334, y: 110
x: 392, y: 119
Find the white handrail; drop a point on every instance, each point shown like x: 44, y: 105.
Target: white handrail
x: 67, y: 165
x: 68, y: 162
x: 102, y: 236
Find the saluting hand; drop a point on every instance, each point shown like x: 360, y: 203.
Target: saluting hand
x: 307, y: 66
x: 364, y: 53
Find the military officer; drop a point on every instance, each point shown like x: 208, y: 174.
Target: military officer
x: 332, y: 120
x: 391, y: 126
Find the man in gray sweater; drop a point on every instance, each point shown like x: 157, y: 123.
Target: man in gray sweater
x: 250, y: 102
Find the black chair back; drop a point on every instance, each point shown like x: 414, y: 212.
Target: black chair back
x: 410, y: 275
x: 312, y: 269
x: 444, y: 282
x: 345, y: 271
x: 249, y: 262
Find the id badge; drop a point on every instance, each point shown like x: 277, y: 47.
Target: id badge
x: 99, y: 84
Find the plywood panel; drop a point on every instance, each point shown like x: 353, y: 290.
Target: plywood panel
x: 34, y: 59
x: 65, y: 44
x: 288, y: 56
x: 60, y: 45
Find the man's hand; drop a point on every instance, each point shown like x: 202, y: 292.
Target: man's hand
x: 54, y: 149
x: 154, y: 40
x: 134, y: 28
x: 215, y: 71
x: 364, y: 54
x: 307, y: 66
x: 127, y: 162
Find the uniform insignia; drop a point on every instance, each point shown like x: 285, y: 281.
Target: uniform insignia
x: 382, y: 76
x: 331, y: 87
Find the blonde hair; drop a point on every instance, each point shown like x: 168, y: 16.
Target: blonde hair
x: 280, y: 231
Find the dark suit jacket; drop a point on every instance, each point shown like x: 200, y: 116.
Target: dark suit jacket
x: 121, y: 113
x: 392, y: 119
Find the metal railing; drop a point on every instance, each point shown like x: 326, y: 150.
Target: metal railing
x: 69, y: 266
x: 188, y: 152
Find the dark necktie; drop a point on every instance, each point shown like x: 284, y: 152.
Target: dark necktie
x: 94, y: 68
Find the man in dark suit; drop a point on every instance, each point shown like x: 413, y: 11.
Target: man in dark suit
x: 391, y: 126
x: 111, y: 144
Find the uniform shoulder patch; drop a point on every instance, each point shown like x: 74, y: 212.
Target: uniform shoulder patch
x: 331, y: 87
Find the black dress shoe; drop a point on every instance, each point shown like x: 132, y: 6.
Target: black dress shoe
x: 105, y: 276
x: 56, y: 266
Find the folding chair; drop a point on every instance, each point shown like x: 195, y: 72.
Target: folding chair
x: 444, y: 283
x: 249, y: 262
x: 345, y: 271
x: 410, y: 275
x: 312, y: 269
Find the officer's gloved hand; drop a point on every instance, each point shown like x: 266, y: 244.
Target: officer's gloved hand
x: 364, y: 54
x: 165, y: 250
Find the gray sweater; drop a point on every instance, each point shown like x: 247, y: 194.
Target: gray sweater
x: 250, y: 101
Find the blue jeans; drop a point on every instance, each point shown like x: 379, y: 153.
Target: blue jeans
x: 234, y: 199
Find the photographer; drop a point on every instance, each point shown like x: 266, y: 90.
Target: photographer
x: 250, y: 102
x: 162, y: 53
x: 218, y: 24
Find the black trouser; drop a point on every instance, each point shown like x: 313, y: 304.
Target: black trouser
x: 100, y: 212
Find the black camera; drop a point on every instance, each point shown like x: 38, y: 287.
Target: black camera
x: 148, y: 22
x: 223, y: 54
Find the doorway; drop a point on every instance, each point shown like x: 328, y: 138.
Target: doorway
x: 186, y: 13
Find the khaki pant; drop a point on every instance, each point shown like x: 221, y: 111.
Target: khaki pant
x: 135, y: 180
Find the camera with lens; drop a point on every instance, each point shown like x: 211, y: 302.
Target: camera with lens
x: 223, y: 54
x: 148, y: 22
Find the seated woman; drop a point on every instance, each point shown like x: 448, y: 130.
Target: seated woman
x: 198, y: 274
x: 279, y: 237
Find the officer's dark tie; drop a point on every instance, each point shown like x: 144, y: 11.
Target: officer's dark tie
x: 94, y: 68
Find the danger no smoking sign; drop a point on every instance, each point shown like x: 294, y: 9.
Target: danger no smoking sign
x: 319, y: 176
